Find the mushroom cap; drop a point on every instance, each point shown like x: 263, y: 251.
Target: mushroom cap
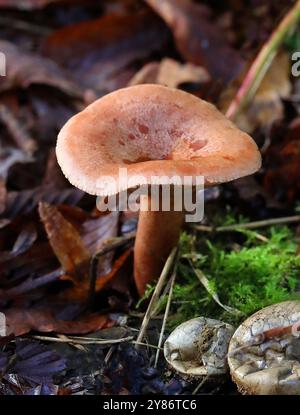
x: 152, y: 130
x: 270, y: 367
x: 198, y: 347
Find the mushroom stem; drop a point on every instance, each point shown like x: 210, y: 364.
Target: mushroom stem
x: 158, y: 232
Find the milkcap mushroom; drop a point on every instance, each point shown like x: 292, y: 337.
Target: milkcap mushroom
x: 264, y: 352
x: 152, y: 130
x: 198, y: 347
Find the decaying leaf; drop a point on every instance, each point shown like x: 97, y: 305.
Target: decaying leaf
x: 20, y: 321
x: 98, y: 50
x: 26, y: 201
x: 64, y: 239
x: 25, y: 69
x: 116, y: 270
x: 29, y: 369
x: 170, y: 73
x: 199, y: 40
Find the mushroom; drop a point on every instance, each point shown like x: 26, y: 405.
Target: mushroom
x: 264, y: 352
x: 152, y: 130
x: 199, y: 347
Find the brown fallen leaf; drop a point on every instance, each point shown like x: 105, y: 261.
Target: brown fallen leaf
x: 170, y: 73
x: 20, y: 322
x: 198, y: 39
x: 64, y: 239
x: 24, y: 69
x: 99, y: 50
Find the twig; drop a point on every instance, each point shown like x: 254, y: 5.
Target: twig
x: 173, y: 277
x: 197, y: 388
x: 262, y: 62
x: 135, y: 314
x: 249, y: 225
x: 153, y: 346
x: 108, y: 354
x: 165, y: 272
x: 78, y: 340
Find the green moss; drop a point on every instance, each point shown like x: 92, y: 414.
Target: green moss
x: 247, y: 277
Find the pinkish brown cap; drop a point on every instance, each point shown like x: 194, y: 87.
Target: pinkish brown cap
x: 152, y: 130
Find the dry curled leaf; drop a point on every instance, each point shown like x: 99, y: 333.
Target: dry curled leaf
x: 170, y: 73
x: 64, y: 239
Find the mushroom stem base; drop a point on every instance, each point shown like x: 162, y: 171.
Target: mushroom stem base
x: 158, y: 232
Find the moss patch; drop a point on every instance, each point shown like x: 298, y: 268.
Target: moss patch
x: 247, y: 275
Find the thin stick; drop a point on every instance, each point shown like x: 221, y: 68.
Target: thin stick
x: 165, y: 317
x: 263, y: 61
x: 165, y: 272
x: 108, y: 355
x: 79, y: 341
x: 197, y: 388
x: 250, y: 225
x: 144, y: 344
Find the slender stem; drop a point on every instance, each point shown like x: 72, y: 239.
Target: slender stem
x: 159, y: 286
x: 250, y: 225
x: 161, y: 335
